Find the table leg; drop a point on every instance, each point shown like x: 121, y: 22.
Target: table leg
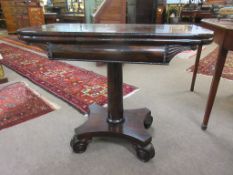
x: 115, y: 93
x: 199, y: 49
x: 214, y: 85
x: 115, y: 121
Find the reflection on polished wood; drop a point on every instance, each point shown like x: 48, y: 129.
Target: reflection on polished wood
x: 223, y: 37
x: 116, y: 44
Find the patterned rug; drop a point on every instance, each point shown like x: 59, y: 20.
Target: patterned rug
x: 207, y: 65
x: 18, y: 103
x: 13, y: 39
x: 76, y: 86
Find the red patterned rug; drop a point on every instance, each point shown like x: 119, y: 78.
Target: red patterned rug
x: 76, y: 86
x: 207, y: 65
x: 18, y: 103
x: 13, y: 39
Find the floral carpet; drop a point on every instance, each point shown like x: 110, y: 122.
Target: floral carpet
x: 77, y: 86
x: 18, y: 103
x: 207, y: 65
x: 13, y: 39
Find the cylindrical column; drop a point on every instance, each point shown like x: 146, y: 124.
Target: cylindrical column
x: 115, y: 93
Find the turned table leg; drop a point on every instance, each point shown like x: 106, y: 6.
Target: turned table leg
x: 114, y: 121
x: 196, y: 67
x: 115, y: 93
x: 222, y: 54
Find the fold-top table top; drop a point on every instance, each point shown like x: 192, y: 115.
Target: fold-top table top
x: 129, y: 32
x: 131, y: 43
x: 118, y: 29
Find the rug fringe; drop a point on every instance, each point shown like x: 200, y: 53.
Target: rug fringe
x: 126, y: 96
x: 48, y: 102
x: 24, y: 48
x: 131, y: 93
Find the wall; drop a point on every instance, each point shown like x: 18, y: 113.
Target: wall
x: 90, y: 7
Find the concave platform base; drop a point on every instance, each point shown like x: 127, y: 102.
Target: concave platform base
x: 132, y: 129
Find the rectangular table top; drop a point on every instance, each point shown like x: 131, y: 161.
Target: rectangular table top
x: 138, y: 43
x: 122, y: 30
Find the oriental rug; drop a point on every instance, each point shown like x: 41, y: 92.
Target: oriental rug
x: 13, y: 39
x: 77, y: 86
x: 18, y: 103
x: 207, y: 65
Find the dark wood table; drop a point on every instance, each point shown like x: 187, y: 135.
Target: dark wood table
x: 223, y: 36
x: 64, y: 18
x: 193, y: 15
x: 115, y: 44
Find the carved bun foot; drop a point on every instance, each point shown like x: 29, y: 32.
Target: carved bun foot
x: 145, y: 153
x: 148, y: 121
x: 78, y: 146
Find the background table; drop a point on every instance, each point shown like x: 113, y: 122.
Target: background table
x: 223, y: 36
x: 196, y: 15
x: 116, y: 44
